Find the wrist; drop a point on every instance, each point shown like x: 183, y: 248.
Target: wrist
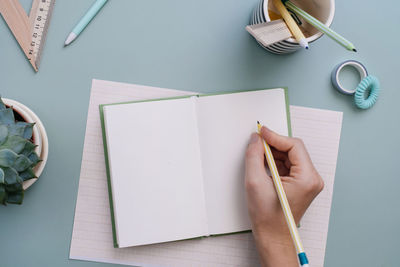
x: 275, y: 248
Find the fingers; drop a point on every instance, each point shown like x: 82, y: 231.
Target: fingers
x: 297, y: 153
x: 255, y: 168
x: 258, y: 183
x: 279, y: 155
x: 280, y: 142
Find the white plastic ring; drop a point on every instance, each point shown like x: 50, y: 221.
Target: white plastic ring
x: 335, y: 75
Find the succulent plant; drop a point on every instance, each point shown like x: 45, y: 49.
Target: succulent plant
x: 17, y: 156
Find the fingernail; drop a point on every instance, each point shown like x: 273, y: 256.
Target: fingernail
x: 254, y: 138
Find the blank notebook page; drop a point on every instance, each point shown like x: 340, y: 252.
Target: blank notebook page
x: 155, y: 171
x: 225, y: 125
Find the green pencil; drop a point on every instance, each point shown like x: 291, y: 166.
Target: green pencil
x: 320, y: 26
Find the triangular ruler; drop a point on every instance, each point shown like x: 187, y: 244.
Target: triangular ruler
x: 30, y: 31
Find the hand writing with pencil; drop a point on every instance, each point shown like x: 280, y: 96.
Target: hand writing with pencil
x: 301, y: 182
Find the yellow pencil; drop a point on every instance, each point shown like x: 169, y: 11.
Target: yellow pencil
x: 292, y: 25
x: 284, y: 203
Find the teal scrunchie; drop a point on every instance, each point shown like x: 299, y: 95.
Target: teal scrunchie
x: 371, y: 83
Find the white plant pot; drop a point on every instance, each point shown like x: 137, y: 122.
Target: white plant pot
x: 39, y: 137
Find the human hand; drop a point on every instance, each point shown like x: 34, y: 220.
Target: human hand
x: 301, y: 182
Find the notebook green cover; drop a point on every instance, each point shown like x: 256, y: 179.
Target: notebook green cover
x: 102, y: 119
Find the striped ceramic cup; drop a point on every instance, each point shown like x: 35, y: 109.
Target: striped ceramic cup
x: 322, y: 10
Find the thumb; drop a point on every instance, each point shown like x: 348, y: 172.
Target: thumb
x: 255, y: 168
x: 280, y: 142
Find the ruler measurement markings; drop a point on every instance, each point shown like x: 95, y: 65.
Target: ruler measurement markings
x: 28, y: 29
x: 42, y: 17
x: 40, y: 20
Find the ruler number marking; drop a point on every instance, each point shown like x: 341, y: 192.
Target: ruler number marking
x: 41, y: 19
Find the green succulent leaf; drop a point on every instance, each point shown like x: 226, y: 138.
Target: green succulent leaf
x: 27, y: 174
x: 11, y: 176
x: 16, y: 197
x: 3, y: 194
x: 7, y: 116
x: 28, y: 149
x: 12, y: 188
x: 15, y: 143
x: 2, y: 177
x: 15, y: 129
x: 7, y: 157
x: 28, y: 130
x: 3, y: 134
x: 22, y: 163
x: 21, y: 128
x: 34, y: 158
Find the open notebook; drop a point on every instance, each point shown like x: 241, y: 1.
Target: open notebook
x: 177, y: 164
x: 92, y: 237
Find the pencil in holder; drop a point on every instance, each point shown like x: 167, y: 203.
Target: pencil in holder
x: 322, y: 10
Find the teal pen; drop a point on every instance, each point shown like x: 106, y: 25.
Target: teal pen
x: 90, y: 14
x: 320, y: 26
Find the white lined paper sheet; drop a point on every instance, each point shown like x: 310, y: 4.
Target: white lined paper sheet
x: 92, y: 232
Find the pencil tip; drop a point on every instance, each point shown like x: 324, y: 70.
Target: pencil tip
x: 306, y: 47
x: 71, y: 37
x: 355, y: 50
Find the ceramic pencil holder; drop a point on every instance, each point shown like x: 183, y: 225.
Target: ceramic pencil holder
x: 323, y: 10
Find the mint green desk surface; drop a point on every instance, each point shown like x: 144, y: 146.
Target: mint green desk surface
x: 203, y: 46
